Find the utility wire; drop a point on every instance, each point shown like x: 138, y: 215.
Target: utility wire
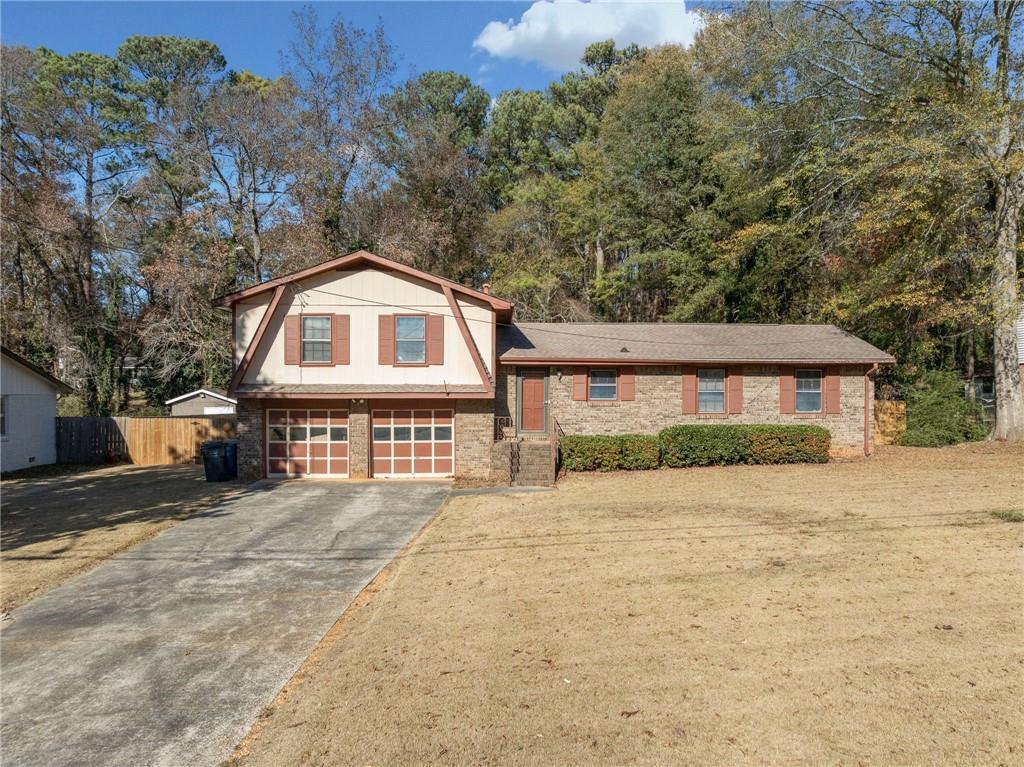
x: 420, y: 310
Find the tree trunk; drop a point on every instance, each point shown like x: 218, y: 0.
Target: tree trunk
x: 1009, y: 397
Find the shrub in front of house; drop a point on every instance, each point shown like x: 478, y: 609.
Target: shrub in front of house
x: 590, y: 453
x: 610, y: 453
x: 697, y: 445
x: 939, y: 414
x: 789, y: 444
x: 640, y: 451
x: 725, y: 444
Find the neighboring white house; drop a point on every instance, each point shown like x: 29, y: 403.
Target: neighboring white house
x: 202, y: 402
x: 28, y: 409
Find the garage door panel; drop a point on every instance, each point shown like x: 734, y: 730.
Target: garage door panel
x: 417, y: 442
x: 303, y: 442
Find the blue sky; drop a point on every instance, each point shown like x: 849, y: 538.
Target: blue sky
x: 500, y: 45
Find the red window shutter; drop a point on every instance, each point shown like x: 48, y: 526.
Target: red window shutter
x: 689, y: 391
x: 832, y: 398
x: 435, y: 339
x: 293, y: 340
x: 787, y: 390
x: 340, y: 339
x: 386, y: 339
x: 627, y: 384
x: 579, y: 384
x: 735, y: 390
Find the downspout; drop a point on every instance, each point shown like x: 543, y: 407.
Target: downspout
x: 868, y: 410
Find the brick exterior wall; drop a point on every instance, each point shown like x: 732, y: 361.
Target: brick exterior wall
x: 251, y: 433
x: 474, y: 436
x: 658, y: 404
x: 358, y: 440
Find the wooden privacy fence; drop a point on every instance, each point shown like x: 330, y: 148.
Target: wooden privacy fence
x: 890, y: 421
x: 143, y: 441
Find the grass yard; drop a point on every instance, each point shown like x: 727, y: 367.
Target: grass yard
x: 861, y: 612
x: 57, y: 522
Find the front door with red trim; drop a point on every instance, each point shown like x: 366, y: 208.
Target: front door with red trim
x: 532, y: 397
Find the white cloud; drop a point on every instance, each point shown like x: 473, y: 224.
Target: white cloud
x: 554, y: 34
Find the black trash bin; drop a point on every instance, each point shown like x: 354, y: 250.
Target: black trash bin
x: 215, y: 461
x: 231, y: 458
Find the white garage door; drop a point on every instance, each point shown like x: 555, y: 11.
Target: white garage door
x: 307, y: 443
x: 413, y: 443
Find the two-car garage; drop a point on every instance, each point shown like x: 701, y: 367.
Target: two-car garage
x: 405, y: 442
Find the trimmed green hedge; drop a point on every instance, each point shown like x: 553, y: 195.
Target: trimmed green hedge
x: 723, y: 444
x: 697, y: 445
x: 622, y: 451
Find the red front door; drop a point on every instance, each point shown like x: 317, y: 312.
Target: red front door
x: 531, y: 400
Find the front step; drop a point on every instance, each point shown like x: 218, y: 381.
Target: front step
x: 522, y: 463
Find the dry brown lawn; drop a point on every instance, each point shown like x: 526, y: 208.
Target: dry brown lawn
x: 56, y: 523
x: 865, y: 612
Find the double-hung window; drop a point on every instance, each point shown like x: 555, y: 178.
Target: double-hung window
x: 316, y: 339
x: 808, y: 391
x: 711, y: 390
x: 411, y: 340
x: 603, y: 385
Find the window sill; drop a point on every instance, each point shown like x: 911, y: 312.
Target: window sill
x: 810, y: 416
x: 603, y: 402
x: 712, y: 416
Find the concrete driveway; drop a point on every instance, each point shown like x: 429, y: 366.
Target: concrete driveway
x: 165, y: 654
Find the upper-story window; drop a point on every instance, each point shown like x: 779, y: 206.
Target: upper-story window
x: 316, y: 339
x: 411, y: 340
x: 603, y: 385
x: 711, y: 390
x: 808, y: 391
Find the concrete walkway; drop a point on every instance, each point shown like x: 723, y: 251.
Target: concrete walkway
x: 166, y: 654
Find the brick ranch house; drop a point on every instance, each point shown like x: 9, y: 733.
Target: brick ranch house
x: 364, y: 367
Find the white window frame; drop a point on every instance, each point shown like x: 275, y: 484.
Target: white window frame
x: 303, y: 340
x: 421, y: 340
x: 614, y: 385
x: 722, y: 391
x: 797, y: 391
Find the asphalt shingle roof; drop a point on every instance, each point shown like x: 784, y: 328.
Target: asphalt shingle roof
x: 678, y: 342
